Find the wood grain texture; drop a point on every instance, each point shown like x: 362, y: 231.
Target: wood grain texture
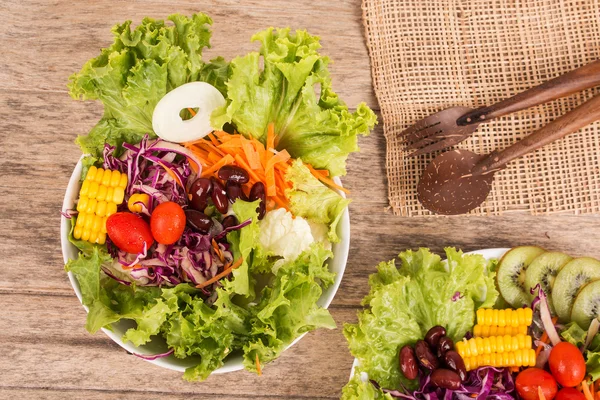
x: 47, y: 352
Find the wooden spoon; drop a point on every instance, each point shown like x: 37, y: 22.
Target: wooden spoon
x: 458, y: 181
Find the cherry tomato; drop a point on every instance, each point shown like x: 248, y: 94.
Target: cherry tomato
x: 129, y: 232
x: 167, y: 222
x: 530, y: 379
x: 569, y: 394
x: 567, y: 364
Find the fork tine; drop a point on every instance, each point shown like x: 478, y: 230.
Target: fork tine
x: 442, y: 144
x: 419, y: 126
x: 430, y: 132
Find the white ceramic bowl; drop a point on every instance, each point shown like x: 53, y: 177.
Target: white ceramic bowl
x: 231, y: 363
x: 487, y: 253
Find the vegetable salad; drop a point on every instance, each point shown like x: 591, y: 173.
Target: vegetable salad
x: 218, y: 243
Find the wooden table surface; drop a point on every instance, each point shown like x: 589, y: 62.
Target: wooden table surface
x: 46, y: 352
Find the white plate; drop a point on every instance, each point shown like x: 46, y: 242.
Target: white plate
x: 231, y: 363
x: 487, y: 253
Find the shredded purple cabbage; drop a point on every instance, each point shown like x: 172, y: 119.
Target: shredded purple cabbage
x: 482, y: 383
x: 164, y: 173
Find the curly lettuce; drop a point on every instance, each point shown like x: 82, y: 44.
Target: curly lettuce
x: 137, y: 70
x: 293, y: 90
x: 406, y: 301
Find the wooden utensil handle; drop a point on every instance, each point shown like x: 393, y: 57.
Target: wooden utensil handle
x: 572, y: 82
x: 562, y: 126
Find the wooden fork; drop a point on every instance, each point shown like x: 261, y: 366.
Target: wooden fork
x: 453, y: 125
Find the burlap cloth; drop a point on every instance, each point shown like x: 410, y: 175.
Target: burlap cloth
x: 428, y: 55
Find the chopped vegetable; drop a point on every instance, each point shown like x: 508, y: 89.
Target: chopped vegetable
x: 100, y: 194
x: 493, y: 330
x: 506, y: 317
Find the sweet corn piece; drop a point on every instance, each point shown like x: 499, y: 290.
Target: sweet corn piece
x: 133, y: 204
x: 100, y: 194
x: 518, y: 358
x: 493, y: 330
x: 494, y: 344
x: 507, y: 317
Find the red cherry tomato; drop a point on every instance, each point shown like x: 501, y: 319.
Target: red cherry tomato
x: 569, y: 394
x: 129, y: 232
x: 530, y: 379
x: 567, y: 364
x: 167, y: 222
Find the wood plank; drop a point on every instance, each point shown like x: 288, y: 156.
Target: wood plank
x: 80, y: 29
x: 60, y: 393
x: 74, y: 360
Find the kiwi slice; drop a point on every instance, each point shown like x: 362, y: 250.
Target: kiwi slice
x: 572, y: 277
x: 587, y: 305
x: 543, y: 270
x: 511, y: 274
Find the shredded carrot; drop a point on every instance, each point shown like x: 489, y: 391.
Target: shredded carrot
x: 128, y: 267
x: 225, y: 272
x: 222, y: 162
x: 172, y: 174
x: 258, y: 369
x: 218, y: 250
x: 514, y: 369
x: 586, y: 390
x: 263, y: 163
x: 541, y: 393
x: 593, y: 389
x: 191, y: 110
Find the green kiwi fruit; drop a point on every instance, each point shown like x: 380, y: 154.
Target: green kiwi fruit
x: 543, y: 270
x: 511, y: 274
x: 587, y: 305
x: 572, y: 277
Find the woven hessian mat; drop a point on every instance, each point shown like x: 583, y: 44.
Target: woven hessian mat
x: 428, y: 55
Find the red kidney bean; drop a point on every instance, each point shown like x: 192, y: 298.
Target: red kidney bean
x: 425, y: 355
x: 229, y: 221
x: 445, y: 378
x: 233, y: 174
x: 198, y: 220
x: 219, y: 196
x: 234, y: 191
x: 455, y: 362
x: 258, y: 192
x: 200, y: 190
x: 408, y: 362
x: 444, y: 344
x: 434, y: 334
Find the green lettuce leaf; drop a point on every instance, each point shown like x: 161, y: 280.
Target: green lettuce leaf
x: 314, y: 126
x: 109, y: 301
x: 405, y: 302
x: 137, y: 70
x: 288, y: 306
x: 592, y: 364
x: 311, y: 199
x: 575, y: 335
x: 356, y: 389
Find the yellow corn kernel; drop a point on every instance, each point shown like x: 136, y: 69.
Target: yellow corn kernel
x: 99, y: 175
x: 520, y: 316
x: 480, y: 360
x: 519, y: 357
x: 461, y: 349
x: 85, y: 187
x: 134, y: 200
x: 115, y: 178
x: 85, y: 235
x: 93, y: 236
x: 82, y: 203
x: 80, y: 219
x: 123, y: 181
x: 91, y: 206
x: 77, y: 231
x: 481, y: 317
x: 93, y: 190
x: 89, y: 221
x: 101, y: 196
x: 472, y: 347
x: 468, y: 365
x: 97, y: 224
x: 479, y: 347
x: 511, y: 360
x: 528, y: 315
x: 106, y: 177
x: 111, y: 208
x: 101, y: 238
x: 101, y: 208
x: 103, y: 228
x: 531, y: 358
x: 501, y: 317
x: 109, y: 194
x: 91, y: 174
x: 118, y: 195
x: 487, y: 359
